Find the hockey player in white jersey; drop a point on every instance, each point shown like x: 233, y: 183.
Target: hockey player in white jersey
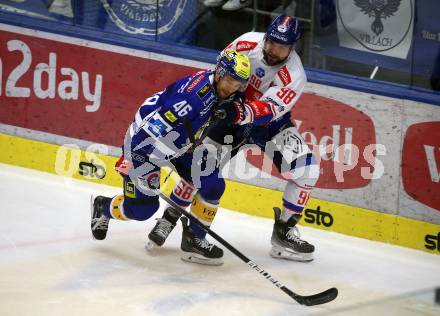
x: 277, y: 81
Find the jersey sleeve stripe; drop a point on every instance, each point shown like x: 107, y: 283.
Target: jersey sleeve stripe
x: 138, y: 118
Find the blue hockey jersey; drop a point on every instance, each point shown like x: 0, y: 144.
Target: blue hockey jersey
x: 163, y: 125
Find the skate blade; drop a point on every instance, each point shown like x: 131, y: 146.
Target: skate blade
x: 288, y: 254
x: 151, y: 245
x: 195, y: 258
x: 92, y: 199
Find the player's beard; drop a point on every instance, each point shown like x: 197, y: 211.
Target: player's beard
x: 272, y: 60
x: 221, y: 94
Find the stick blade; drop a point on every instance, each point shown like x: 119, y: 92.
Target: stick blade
x: 317, y: 299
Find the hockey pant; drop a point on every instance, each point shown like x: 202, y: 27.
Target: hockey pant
x: 139, y: 200
x: 205, y: 200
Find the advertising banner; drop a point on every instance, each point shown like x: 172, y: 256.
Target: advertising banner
x: 381, y: 27
x: 393, y: 34
x: 377, y: 153
x: 421, y: 162
x: 420, y: 166
x: 342, y: 136
x: 75, y: 90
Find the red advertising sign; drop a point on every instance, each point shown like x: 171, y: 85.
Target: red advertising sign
x: 75, y: 90
x: 421, y: 163
x: 342, y: 136
x: 92, y: 94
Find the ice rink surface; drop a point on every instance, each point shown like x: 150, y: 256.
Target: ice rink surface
x: 50, y: 265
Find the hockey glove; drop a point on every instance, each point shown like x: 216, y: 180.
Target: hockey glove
x: 254, y: 112
x: 232, y: 112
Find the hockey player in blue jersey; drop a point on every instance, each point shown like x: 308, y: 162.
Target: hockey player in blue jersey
x: 166, y: 126
x: 277, y: 81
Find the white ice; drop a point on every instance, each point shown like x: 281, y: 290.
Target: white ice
x: 50, y: 265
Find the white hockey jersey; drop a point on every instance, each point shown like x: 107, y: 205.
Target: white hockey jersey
x: 281, y: 85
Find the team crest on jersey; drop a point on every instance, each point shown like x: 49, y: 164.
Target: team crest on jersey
x: 130, y: 190
x: 139, y: 16
x: 210, y: 100
x: 260, y: 72
x: 208, y: 103
x: 203, y: 91
x: 150, y: 181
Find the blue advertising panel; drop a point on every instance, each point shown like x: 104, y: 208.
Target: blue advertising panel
x: 427, y: 37
x: 401, y: 35
x: 159, y: 20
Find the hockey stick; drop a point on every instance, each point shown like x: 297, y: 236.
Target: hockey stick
x: 308, y: 300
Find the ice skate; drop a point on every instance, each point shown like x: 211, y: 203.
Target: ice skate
x: 198, y: 250
x: 287, y: 243
x: 162, y: 229
x: 99, y: 222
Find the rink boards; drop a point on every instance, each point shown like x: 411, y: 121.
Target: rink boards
x: 71, y: 161
x: 377, y: 152
x: 380, y: 155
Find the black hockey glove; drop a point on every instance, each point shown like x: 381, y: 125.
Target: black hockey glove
x: 232, y: 112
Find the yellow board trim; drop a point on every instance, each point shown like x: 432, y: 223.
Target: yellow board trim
x: 66, y: 161
x: 345, y: 219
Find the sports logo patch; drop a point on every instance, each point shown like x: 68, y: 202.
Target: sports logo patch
x: 244, y: 46
x: 150, y: 181
x: 208, y: 103
x: 130, y: 190
x: 284, y: 76
x: 156, y: 125
x: 194, y: 83
x: 260, y: 72
x: 153, y: 181
x: 137, y: 157
x: 170, y: 116
x: 283, y: 27
x: 203, y: 91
